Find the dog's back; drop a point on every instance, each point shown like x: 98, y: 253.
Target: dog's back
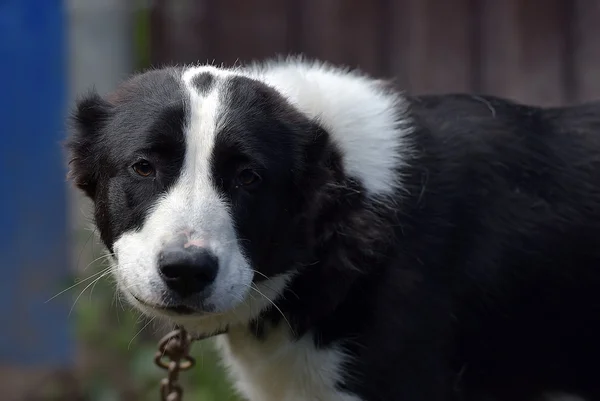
x: 504, y: 235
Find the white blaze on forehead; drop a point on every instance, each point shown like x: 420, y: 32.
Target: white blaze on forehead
x: 200, y: 132
x: 201, y: 127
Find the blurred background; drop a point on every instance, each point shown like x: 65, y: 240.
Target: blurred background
x: 81, y: 343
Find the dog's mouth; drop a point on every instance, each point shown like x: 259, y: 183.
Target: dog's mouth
x: 177, y: 309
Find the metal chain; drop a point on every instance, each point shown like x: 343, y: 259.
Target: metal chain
x: 173, y: 356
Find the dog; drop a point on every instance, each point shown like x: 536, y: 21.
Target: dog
x: 345, y: 241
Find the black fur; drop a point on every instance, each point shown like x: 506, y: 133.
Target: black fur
x: 204, y: 82
x: 478, y: 281
x: 263, y: 132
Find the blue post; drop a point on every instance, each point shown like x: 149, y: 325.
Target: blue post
x: 34, y: 263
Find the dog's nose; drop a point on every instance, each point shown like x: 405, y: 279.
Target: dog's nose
x: 187, y: 269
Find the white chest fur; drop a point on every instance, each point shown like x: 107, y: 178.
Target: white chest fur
x: 277, y: 369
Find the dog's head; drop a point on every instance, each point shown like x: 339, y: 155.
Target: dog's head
x: 206, y: 182
x: 199, y: 178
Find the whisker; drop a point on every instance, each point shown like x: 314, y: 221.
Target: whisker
x: 83, y: 249
x: 236, y: 240
x: 106, y: 272
x: 115, y: 302
x: 262, y: 274
x: 139, y: 331
x: 253, y: 287
x: 103, y: 257
x: 268, y: 278
x: 79, y: 283
x: 92, y: 289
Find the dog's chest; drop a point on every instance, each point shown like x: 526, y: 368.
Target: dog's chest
x: 277, y: 369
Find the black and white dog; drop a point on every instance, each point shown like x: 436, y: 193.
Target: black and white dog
x: 353, y: 243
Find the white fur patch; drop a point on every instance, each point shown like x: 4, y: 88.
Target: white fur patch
x: 278, y: 369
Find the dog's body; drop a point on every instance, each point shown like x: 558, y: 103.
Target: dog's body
x: 355, y: 244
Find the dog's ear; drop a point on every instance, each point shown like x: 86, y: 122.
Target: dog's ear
x: 85, y: 141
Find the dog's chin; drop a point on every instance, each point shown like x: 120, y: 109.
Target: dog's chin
x: 172, y: 311
x: 198, y: 321
x: 167, y: 310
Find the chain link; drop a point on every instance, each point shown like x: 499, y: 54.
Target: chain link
x: 173, y: 356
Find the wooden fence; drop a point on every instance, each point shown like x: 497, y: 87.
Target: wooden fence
x: 544, y: 52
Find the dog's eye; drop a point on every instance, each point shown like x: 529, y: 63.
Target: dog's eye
x: 247, y: 177
x: 143, y: 168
